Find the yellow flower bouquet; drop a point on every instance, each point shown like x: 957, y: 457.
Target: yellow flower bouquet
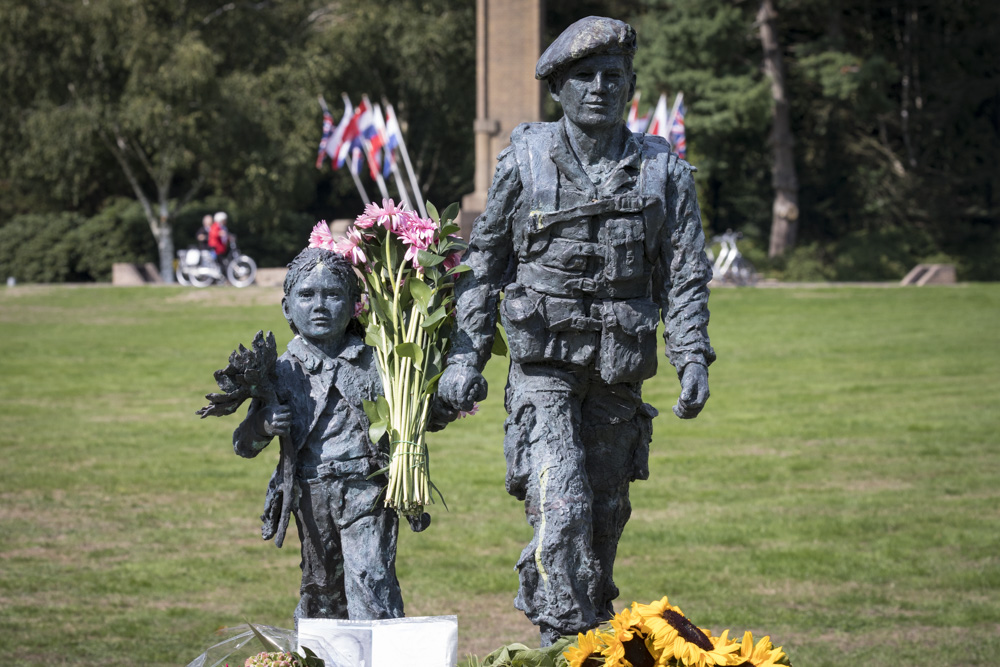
x: 645, y: 635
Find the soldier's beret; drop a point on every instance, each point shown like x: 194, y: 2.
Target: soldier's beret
x: 587, y: 37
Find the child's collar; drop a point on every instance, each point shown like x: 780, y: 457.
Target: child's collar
x: 312, y: 358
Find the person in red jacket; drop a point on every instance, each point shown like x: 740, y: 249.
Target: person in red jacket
x: 218, y: 235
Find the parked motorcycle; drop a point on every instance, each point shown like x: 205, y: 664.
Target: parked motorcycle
x: 201, y: 268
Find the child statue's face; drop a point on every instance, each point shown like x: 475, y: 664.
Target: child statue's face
x: 319, y: 306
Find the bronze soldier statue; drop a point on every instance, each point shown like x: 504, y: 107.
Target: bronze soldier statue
x: 593, y: 235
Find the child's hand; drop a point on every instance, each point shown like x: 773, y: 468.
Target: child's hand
x: 276, y: 420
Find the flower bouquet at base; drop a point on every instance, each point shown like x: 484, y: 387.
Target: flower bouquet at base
x: 408, y: 266
x: 645, y: 635
x: 236, y: 649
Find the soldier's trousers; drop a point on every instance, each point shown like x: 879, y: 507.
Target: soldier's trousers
x: 572, y: 445
x: 348, y: 550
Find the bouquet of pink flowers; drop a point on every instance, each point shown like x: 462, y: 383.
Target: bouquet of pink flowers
x: 407, y: 264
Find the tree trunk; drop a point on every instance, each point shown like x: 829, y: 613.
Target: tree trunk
x: 165, y: 235
x: 785, y: 212
x: 165, y: 244
x: 159, y: 225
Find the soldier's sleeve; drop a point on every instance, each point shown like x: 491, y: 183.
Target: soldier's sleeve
x: 491, y: 259
x: 684, y: 274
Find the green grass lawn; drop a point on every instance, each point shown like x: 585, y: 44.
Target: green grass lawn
x: 841, y: 491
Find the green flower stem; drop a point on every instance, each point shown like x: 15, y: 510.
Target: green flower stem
x: 408, y: 483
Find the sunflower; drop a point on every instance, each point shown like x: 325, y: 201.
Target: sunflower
x: 703, y: 651
x: 674, y: 636
x: 657, y: 618
x: 629, y: 644
x: 762, y: 655
x: 587, y: 652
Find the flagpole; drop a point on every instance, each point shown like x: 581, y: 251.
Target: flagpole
x: 357, y: 181
x: 393, y: 164
x: 409, y: 168
x: 387, y: 155
x: 399, y: 185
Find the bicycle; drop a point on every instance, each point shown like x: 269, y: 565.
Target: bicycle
x: 730, y: 265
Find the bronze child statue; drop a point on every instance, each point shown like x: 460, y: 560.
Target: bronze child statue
x: 593, y: 235
x: 311, y: 398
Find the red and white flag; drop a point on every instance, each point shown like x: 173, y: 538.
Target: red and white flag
x: 658, y: 126
x: 635, y: 122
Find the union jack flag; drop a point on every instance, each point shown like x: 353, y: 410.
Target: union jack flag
x: 327, y: 133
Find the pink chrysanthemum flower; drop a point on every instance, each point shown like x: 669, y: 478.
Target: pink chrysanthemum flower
x: 468, y: 413
x: 367, y: 219
x: 361, y: 306
x: 415, y: 240
x: 452, y: 260
x: 417, y: 233
x: 321, y: 236
x: 389, y: 216
x: 350, y: 247
x: 426, y: 226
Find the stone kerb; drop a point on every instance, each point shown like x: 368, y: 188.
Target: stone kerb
x: 930, y: 274
x: 130, y: 275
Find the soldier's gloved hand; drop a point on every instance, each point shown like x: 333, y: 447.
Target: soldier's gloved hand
x: 461, y: 387
x: 694, y: 391
x: 274, y: 420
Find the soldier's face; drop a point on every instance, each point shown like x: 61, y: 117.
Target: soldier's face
x: 594, y: 91
x: 319, y: 306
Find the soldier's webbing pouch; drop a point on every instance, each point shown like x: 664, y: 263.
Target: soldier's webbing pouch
x: 545, y: 328
x: 628, y: 340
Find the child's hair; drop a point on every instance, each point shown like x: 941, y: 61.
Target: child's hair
x: 337, y: 264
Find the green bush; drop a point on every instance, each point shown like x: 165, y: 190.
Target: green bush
x: 975, y: 246
x: 119, y: 233
x: 883, y: 254
x: 806, y: 263
x: 41, y: 248
x: 65, y: 247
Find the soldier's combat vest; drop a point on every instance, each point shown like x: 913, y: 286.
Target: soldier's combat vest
x: 583, y: 289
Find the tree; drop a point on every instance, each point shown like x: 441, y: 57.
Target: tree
x: 894, y: 107
x: 785, y: 212
x: 420, y: 56
x: 189, y: 102
x: 708, y: 51
x: 145, y: 89
x: 144, y: 82
x: 895, y: 111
